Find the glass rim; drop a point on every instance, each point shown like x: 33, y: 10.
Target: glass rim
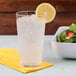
x: 18, y: 12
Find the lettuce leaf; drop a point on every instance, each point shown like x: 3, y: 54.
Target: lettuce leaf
x: 72, y: 28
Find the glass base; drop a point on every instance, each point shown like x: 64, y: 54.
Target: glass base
x: 31, y: 65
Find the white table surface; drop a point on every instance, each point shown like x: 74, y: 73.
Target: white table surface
x: 62, y: 67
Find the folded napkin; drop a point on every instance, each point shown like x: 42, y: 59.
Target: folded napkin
x: 10, y: 58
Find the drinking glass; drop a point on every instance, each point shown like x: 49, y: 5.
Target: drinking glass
x: 30, y: 31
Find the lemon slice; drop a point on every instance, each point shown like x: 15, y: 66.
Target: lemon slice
x: 47, y: 11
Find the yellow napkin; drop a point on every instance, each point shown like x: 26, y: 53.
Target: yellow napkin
x: 10, y: 58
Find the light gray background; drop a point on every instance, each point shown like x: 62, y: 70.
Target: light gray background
x: 61, y: 68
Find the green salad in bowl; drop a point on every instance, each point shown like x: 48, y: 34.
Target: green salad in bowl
x: 68, y: 36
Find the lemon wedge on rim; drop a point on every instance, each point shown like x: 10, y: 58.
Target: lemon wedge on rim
x: 47, y: 11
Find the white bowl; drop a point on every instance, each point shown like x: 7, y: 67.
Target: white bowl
x: 65, y: 50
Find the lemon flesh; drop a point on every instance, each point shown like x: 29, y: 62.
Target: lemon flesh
x: 47, y: 11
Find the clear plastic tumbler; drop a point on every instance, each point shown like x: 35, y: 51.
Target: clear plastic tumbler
x: 30, y: 31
